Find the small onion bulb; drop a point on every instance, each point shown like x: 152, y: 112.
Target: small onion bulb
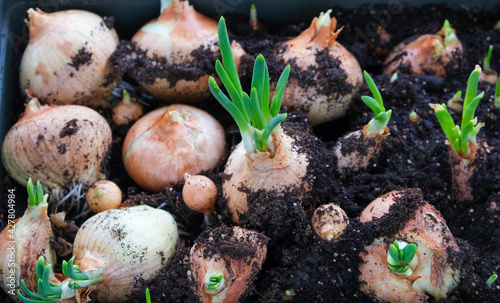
x: 103, y: 195
x: 170, y: 40
x: 129, y: 245
x: 170, y: 141
x: 57, y: 145
x: 329, y: 222
x: 199, y: 193
x: 67, y: 58
x: 321, y: 106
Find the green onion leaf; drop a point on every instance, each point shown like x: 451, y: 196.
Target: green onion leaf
x: 271, y: 126
x: 374, y: 89
x: 234, y: 94
x: 227, y: 55
x: 409, y: 252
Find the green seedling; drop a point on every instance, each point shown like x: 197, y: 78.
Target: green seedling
x: 461, y: 136
x: 449, y: 34
x: 376, y: 104
x: 214, y: 282
x: 399, y: 256
x: 148, y: 296
x: 497, y: 94
x: 255, y: 116
x: 487, y: 59
x: 491, y: 280
x: 394, y: 77
x: 56, y: 291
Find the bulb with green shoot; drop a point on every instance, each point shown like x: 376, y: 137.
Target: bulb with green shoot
x: 429, y: 54
x: 464, y: 148
x: 488, y: 75
x: 367, y: 141
x: 268, y: 158
x: 25, y: 239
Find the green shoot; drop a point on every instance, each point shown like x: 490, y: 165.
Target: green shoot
x: 394, y: 77
x: 491, y: 280
x: 255, y: 116
x: 214, y: 282
x: 376, y: 104
x: 289, y: 293
x: 324, y: 19
x: 399, y: 257
x: 487, y: 60
x: 457, y: 97
x: 49, y: 292
x: 35, y: 195
x: 460, y: 136
x: 148, y: 296
x: 79, y: 278
x: 253, y: 12
x: 98, y: 192
x: 449, y: 34
x: 413, y: 116
x: 126, y: 97
x: 497, y: 94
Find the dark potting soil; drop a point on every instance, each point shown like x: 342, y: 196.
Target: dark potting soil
x: 414, y: 156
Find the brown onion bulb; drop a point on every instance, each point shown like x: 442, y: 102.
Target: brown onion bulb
x: 170, y: 141
x: 212, y: 255
x: 329, y: 222
x: 103, y: 195
x: 252, y: 172
x: 57, y: 145
x: 199, y: 193
x: 127, y: 111
x: 425, y: 55
x: 433, y: 274
x: 67, y: 58
x: 171, y: 40
x: 320, y: 106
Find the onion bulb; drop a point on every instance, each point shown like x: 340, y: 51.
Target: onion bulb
x: 24, y: 240
x: 329, y: 222
x: 432, y: 273
x: 171, y: 70
x: 57, y: 145
x: 170, y: 141
x: 103, y: 195
x: 67, y: 58
x: 225, y: 262
x: 199, y: 193
x: 249, y: 173
x: 127, y: 111
x: 320, y: 105
x: 426, y: 55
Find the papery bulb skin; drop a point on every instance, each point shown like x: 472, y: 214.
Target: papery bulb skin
x: 424, y: 55
x: 126, y: 112
x: 67, y: 58
x: 132, y: 244
x: 170, y: 42
x: 256, y: 171
x: 236, y: 252
x: 320, y: 106
x: 356, y: 150
x: 329, y: 222
x: 434, y: 272
x: 22, y: 242
x: 170, y: 141
x: 57, y: 145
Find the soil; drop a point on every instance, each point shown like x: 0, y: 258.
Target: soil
x: 300, y: 267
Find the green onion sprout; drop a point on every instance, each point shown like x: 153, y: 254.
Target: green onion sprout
x: 35, y: 195
x: 394, y: 77
x: 376, y: 104
x: 214, y: 282
x: 487, y: 60
x: 491, y: 280
x: 449, y: 34
x: 255, y: 116
x: 460, y: 136
x: 253, y: 12
x: 399, y: 257
x: 148, y: 296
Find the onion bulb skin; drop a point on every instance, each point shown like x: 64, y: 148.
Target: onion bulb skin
x: 320, y: 106
x: 171, y: 39
x: 433, y: 274
x: 57, y: 145
x: 103, y: 195
x: 252, y: 172
x: 132, y: 245
x: 424, y: 55
x: 215, y: 251
x: 67, y: 58
x: 170, y: 141
x: 329, y: 222
x: 199, y: 193
x: 22, y: 242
